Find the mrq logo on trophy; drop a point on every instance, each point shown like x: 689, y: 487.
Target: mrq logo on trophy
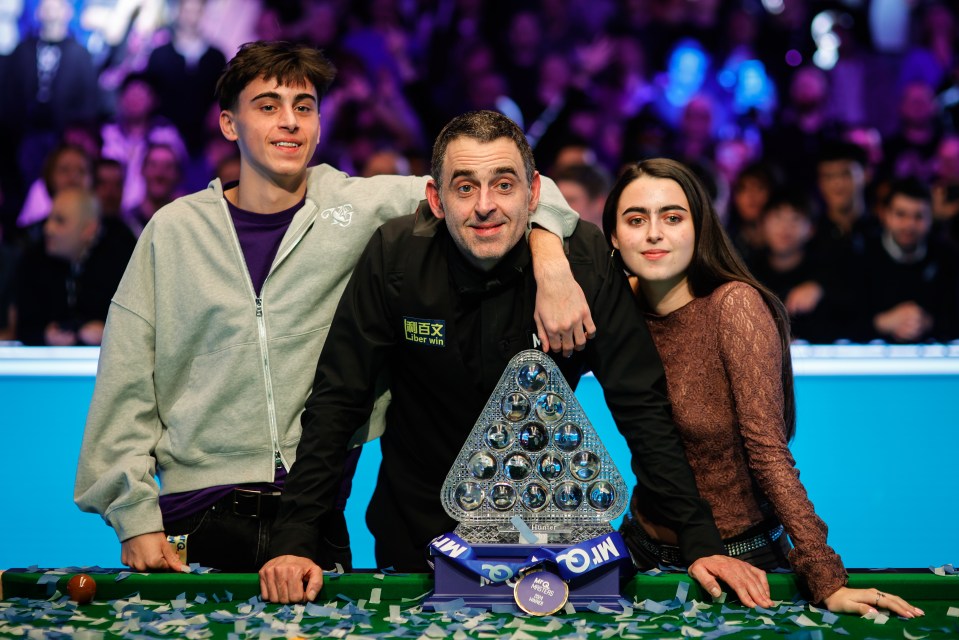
x: 533, y: 472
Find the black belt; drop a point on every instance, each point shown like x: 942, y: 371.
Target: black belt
x: 249, y: 503
x: 670, y: 554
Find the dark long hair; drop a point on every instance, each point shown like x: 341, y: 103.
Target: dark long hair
x: 715, y: 261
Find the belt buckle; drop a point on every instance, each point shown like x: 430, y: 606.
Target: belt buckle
x: 242, y: 499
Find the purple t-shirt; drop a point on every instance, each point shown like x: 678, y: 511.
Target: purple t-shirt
x: 260, y: 236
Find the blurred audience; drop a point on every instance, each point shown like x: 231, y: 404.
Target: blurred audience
x: 787, y: 224
x: 585, y: 187
x: 64, y: 284
x: 162, y: 177
x: 907, y: 288
x: 754, y: 99
x: 67, y: 166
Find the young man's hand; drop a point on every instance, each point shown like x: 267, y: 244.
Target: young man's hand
x: 563, y: 320
x: 150, y: 552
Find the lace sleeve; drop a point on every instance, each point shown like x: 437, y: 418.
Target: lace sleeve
x: 751, y: 352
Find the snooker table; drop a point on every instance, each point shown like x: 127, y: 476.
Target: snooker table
x: 219, y: 605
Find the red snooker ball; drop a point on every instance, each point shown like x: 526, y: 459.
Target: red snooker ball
x: 81, y: 588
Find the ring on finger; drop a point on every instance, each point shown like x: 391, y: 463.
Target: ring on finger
x: 879, y: 595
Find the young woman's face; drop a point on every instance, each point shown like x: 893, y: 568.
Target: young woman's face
x: 655, y: 232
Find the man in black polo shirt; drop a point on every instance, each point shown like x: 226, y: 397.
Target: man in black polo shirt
x: 462, y: 266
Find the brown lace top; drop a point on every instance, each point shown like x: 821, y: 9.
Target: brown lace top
x: 722, y: 357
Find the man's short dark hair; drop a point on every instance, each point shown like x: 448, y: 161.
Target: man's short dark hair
x: 793, y: 197
x: 839, y: 150
x: 909, y: 187
x: 482, y: 126
x: 289, y: 64
x: 594, y: 180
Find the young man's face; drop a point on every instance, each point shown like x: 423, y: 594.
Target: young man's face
x: 840, y: 181
x: 907, y: 220
x: 161, y: 172
x: 276, y: 127
x: 786, y: 230
x: 484, y: 197
x: 577, y: 197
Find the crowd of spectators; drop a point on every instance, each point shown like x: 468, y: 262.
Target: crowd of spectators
x: 827, y: 131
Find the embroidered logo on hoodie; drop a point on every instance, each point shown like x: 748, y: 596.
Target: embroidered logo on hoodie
x: 342, y: 215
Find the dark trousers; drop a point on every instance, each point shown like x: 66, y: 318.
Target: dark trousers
x: 233, y: 535
x: 220, y: 538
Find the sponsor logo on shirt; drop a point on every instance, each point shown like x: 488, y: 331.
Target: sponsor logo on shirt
x: 341, y: 215
x: 431, y: 333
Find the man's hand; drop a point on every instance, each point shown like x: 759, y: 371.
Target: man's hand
x: 150, y: 552
x: 803, y: 298
x: 906, y: 322
x: 288, y: 579
x: 749, y: 583
x: 563, y: 319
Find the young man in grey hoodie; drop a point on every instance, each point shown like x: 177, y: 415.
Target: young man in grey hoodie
x: 213, y: 335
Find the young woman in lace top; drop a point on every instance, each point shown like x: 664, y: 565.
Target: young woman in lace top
x: 724, y: 342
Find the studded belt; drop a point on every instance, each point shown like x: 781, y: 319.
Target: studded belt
x: 669, y: 554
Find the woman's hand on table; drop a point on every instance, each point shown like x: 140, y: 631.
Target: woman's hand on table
x: 863, y: 601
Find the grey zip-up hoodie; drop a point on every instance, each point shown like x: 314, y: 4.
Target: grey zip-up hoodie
x: 200, y: 382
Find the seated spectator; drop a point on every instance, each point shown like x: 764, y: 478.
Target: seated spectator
x: 910, y: 150
x: 846, y: 224
x: 386, y: 162
x: 750, y: 192
x: 162, y: 175
x: 585, y: 187
x: 135, y: 127
x: 67, y: 166
x: 945, y: 188
x: 108, y: 182
x: 64, y: 286
x: 908, y: 284
x: 8, y: 266
x: 787, y: 224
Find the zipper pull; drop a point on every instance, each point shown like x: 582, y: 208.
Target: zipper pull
x: 259, y: 308
x: 278, y: 459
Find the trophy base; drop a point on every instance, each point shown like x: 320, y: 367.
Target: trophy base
x: 506, y: 533
x: 453, y: 582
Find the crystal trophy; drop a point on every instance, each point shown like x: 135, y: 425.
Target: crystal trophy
x: 534, y: 454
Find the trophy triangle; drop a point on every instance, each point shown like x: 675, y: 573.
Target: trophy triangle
x: 533, y: 453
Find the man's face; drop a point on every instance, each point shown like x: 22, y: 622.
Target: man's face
x: 161, y: 174
x: 68, y: 231
x: 839, y: 182
x: 907, y: 220
x: 277, y: 128
x: 484, y: 197
x: 137, y: 101
x: 109, y: 189
x: 786, y: 230
x: 579, y: 201
x: 71, y: 170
